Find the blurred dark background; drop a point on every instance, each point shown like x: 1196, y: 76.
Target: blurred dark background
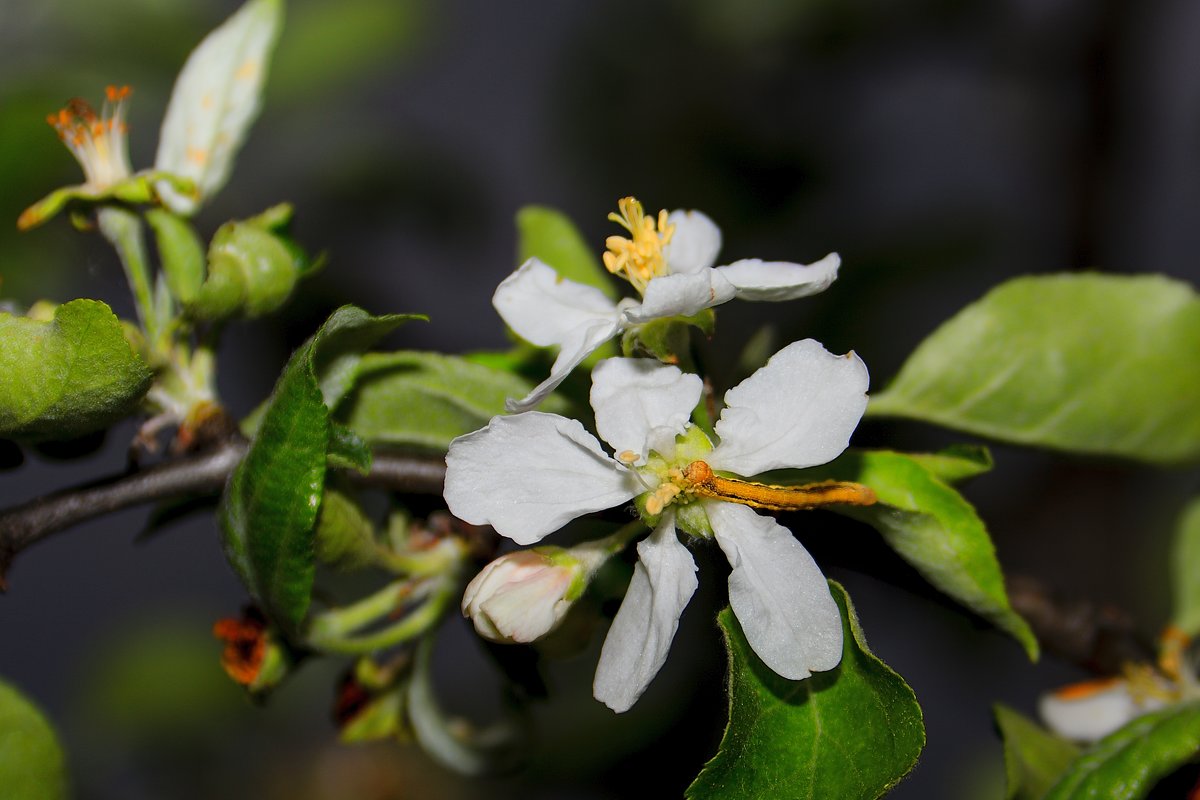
x: 941, y: 146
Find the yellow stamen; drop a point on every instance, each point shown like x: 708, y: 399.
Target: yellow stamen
x: 703, y: 482
x: 640, y: 257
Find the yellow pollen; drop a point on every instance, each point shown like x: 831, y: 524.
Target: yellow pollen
x: 627, y: 457
x: 639, y: 258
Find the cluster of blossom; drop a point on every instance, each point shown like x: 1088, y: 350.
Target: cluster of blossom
x: 528, y: 474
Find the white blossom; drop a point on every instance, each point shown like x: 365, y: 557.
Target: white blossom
x: 528, y: 474
x: 670, y: 263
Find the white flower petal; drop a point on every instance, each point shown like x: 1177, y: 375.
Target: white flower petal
x: 777, y: 592
x: 682, y: 294
x: 530, y: 474
x: 695, y: 243
x: 755, y: 279
x: 797, y: 411
x: 640, y: 637
x: 546, y: 309
x: 577, y: 347
x: 215, y: 99
x: 634, y: 396
x: 1090, y: 716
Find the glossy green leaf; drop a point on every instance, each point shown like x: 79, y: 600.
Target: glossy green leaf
x: 32, y: 766
x: 550, y: 236
x: 67, y: 376
x: 933, y: 527
x: 1185, y: 570
x: 1034, y: 758
x: 1090, y: 363
x: 426, y: 399
x: 271, y: 505
x: 1128, y: 762
x: 851, y: 733
x: 957, y: 462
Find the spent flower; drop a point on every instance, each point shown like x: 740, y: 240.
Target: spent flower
x: 529, y: 474
x: 669, y: 260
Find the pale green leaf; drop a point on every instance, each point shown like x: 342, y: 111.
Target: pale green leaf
x: 933, y: 527
x: 1034, y: 758
x: 851, y: 733
x: 68, y: 376
x: 551, y: 237
x: 426, y: 399
x: 215, y: 100
x: 1089, y: 363
x: 32, y: 766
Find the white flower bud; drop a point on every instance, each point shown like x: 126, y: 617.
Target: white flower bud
x: 522, y: 596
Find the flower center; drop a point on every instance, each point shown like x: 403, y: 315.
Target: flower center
x: 96, y: 140
x: 640, y: 257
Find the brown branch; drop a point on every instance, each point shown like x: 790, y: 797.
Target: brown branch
x: 196, y: 475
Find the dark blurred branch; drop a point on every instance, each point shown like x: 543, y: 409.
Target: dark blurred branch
x: 194, y: 475
x: 1098, y: 638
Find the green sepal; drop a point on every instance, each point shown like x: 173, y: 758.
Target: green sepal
x: 667, y: 339
x: 1034, y: 758
x: 931, y: 526
x: 1127, y: 763
x: 68, y: 376
x: 551, y: 237
x: 850, y: 733
x: 1090, y: 363
x: 32, y: 765
x: 136, y: 189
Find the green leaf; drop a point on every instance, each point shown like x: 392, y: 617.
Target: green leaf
x: 1185, y: 570
x: 956, y: 462
x: 62, y: 378
x: 667, y: 339
x: 1090, y: 363
x: 215, y: 100
x: 933, y: 527
x: 180, y: 251
x: 345, y: 534
x: 347, y: 450
x: 1034, y: 758
x: 32, y: 766
x: 1128, y: 762
x: 550, y: 236
x: 270, y: 507
x: 426, y: 399
x: 851, y: 733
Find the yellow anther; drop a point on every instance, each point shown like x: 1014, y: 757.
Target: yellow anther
x: 627, y: 457
x: 640, y: 257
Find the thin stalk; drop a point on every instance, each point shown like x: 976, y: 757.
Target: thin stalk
x: 123, y: 230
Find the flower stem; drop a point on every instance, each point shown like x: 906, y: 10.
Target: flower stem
x: 123, y: 230
x: 332, y: 632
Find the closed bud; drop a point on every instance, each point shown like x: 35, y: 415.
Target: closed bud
x: 520, y: 597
